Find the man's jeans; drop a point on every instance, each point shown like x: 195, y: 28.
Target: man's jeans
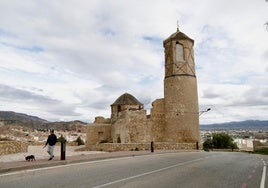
x: 50, y: 151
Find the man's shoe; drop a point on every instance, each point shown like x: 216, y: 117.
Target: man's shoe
x: 50, y: 159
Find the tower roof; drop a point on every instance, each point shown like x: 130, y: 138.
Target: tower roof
x: 178, y: 36
x: 127, y: 99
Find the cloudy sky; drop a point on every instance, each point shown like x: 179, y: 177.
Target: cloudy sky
x: 71, y: 59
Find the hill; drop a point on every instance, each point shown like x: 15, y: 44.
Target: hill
x: 9, y: 118
x: 13, y: 118
x: 33, y: 122
x: 244, y: 125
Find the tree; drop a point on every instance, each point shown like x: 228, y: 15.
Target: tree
x: 80, y: 141
x: 208, y: 144
x: 222, y: 141
x: 219, y: 141
x: 61, y: 139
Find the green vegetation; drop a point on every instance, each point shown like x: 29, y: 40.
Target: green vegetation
x: 263, y: 151
x: 80, y: 141
x: 61, y: 139
x: 219, y: 141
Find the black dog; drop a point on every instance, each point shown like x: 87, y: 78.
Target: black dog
x: 30, y: 158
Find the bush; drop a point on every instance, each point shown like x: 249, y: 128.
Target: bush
x: 80, y: 141
x: 207, y: 144
x: 219, y: 141
x: 263, y: 151
x: 61, y: 139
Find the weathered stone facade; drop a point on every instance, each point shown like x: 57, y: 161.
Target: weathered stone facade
x: 174, y: 120
x: 180, y: 90
x: 99, y: 131
x: 257, y: 145
x: 143, y: 146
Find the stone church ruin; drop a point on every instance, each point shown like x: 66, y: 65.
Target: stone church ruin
x: 173, y: 122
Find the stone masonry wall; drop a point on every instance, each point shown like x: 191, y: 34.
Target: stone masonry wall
x: 132, y: 127
x: 158, y: 120
x: 257, y: 145
x: 181, y: 109
x: 9, y: 147
x: 110, y: 147
x: 180, y: 93
x: 97, y: 132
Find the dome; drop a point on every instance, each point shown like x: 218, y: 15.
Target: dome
x: 126, y: 99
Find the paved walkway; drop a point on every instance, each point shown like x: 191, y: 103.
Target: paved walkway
x: 16, y: 162
x: 41, y: 153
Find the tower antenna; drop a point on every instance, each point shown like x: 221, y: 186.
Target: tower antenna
x: 177, y: 25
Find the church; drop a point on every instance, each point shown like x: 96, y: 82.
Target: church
x: 173, y: 122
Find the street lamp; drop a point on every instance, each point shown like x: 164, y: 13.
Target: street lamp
x: 203, y: 111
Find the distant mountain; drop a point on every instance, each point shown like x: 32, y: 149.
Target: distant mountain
x: 33, y: 122
x: 245, y: 125
x: 13, y: 118
x: 76, y: 125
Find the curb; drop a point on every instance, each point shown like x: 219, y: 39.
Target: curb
x: 32, y: 166
x: 86, y: 158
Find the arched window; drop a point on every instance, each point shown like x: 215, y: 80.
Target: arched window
x: 179, y: 52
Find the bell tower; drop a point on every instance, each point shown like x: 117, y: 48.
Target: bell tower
x: 180, y: 90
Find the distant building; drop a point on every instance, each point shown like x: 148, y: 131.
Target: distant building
x: 244, y: 144
x: 174, y: 120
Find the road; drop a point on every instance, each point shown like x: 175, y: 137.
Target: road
x: 178, y: 169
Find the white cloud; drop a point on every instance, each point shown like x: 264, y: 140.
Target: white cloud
x: 83, y: 55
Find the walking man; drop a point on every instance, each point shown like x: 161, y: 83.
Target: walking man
x: 51, y: 141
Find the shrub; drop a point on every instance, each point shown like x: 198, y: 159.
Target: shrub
x: 220, y: 141
x: 263, y: 151
x: 80, y: 141
x: 207, y: 144
x: 61, y: 139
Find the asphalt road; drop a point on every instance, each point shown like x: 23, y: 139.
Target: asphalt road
x: 180, y: 169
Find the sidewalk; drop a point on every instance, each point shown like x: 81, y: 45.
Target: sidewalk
x: 16, y: 162
x: 41, y: 153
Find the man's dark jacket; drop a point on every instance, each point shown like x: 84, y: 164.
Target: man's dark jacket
x: 51, y: 140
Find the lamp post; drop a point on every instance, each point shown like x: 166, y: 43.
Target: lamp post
x: 200, y: 113
x: 203, y: 111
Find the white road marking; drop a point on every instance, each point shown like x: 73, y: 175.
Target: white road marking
x: 82, y: 163
x: 262, y: 185
x: 147, y: 173
x: 61, y: 166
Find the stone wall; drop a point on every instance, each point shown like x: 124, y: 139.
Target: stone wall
x: 158, y: 120
x: 9, y: 147
x: 97, y: 132
x: 257, y: 145
x: 181, y: 110
x: 180, y: 91
x: 132, y: 127
x: 110, y: 147
x: 115, y: 112
x: 103, y: 120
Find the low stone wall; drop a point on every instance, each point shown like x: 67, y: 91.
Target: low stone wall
x: 140, y: 146
x: 9, y: 147
x: 257, y: 145
x: 224, y: 150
